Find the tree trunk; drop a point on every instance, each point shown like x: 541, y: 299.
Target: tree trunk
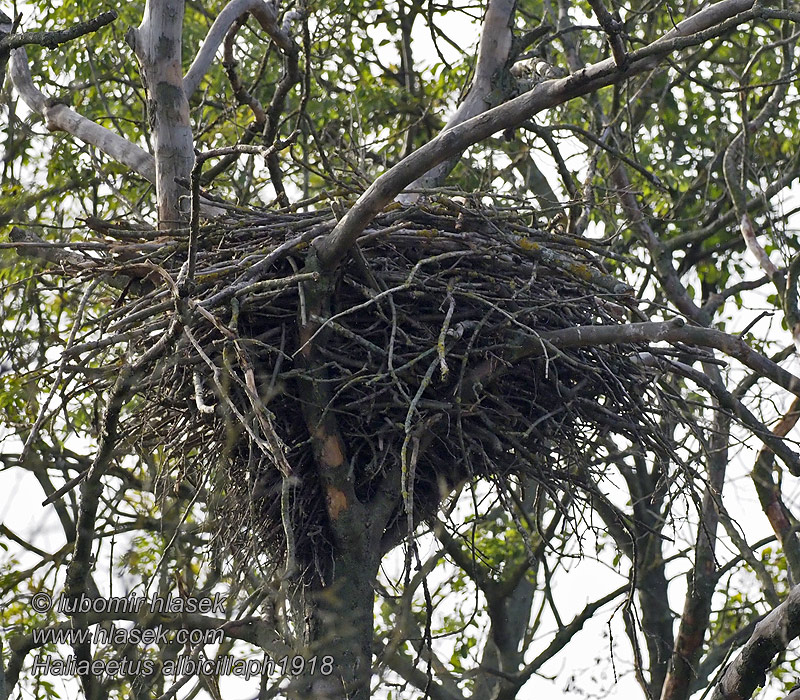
x: 703, y: 578
x: 157, y: 43
x: 338, y: 631
x: 337, y: 613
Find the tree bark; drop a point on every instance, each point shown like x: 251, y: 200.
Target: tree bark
x: 338, y: 620
x: 157, y: 44
x: 783, y: 522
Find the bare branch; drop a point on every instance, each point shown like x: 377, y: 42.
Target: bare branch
x: 671, y: 331
x: 30, y: 245
x: 614, y: 28
x: 563, y: 636
x: 683, y: 240
x: 673, y: 287
x: 243, y: 97
x: 404, y: 665
x: 783, y: 522
x: 59, y: 117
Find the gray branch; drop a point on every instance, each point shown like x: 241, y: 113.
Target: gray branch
x: 771, y: 636
x: 59, y: 117
x: 493, y: 54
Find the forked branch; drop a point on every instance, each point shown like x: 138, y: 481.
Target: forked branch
x: 493, y: 54
x: 267, y: 17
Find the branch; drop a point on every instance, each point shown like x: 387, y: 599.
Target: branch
x: 683, y: 240
x: 79, y: 570
x: 27, y: 244
x: 614, y: 28
x: 268, y: 19
x: 346, y: 513
x: 670, y: 281
x: 670, y: 332
x: 31, y: 246
x: 706, y: 24
x: 717, y: 655
x: 772, y: 636
x: 59, y: 117
x: 405, y: 667
x: 732, y: 404
x: 563, y: 637
x: 52, y: 39
x: 784, y: 524
x: 243, y: 97
x: 493, y: 54
x: 265, y: 123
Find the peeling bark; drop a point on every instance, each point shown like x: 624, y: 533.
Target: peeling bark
x: 336, y: 604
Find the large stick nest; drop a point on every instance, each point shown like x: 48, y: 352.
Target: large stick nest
x: 420, y: 356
